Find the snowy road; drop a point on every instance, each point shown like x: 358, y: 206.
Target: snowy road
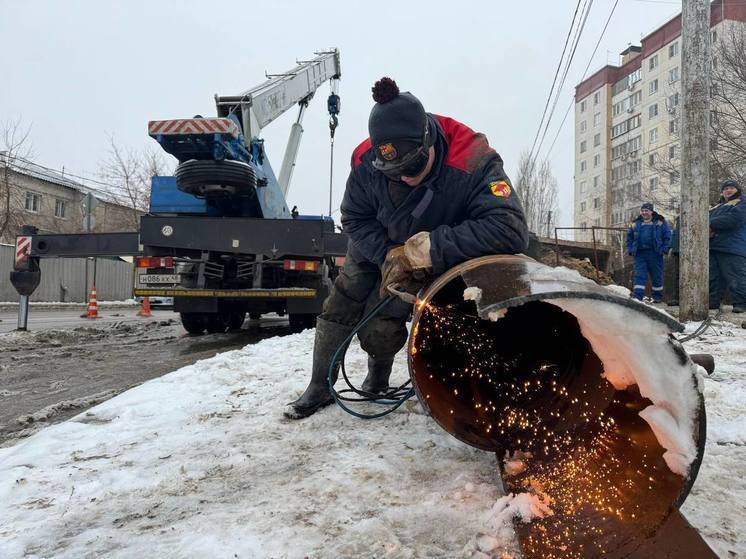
x: 43, y: 318
x: 48, y: 375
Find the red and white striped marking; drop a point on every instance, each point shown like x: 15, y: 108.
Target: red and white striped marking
x: 23, y: 249
x: 193, y: 126
x: 93, y: 305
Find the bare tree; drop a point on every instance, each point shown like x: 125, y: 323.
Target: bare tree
x: 537, y: 190
x: 16, y: 151
x: 128, y: 173
x: 728, y: 115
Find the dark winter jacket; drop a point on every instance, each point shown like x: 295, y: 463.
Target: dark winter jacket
x: 728, y: 226
x: 466, y: 203
x: 661, y: 235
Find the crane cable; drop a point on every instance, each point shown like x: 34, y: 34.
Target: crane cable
x: 333, y: 106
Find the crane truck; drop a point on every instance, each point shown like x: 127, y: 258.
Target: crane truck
x: 219, y: 237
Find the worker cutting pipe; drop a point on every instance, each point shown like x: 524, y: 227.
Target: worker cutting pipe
x: 425, y: 193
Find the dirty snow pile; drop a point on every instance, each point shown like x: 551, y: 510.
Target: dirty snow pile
x: 201, y: 463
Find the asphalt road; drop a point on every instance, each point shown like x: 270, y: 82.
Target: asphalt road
x: 69, y: 317
x: 65, y: 364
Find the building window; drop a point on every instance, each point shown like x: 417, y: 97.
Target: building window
x: 653, y: 62
x: 582, y: 166
x: 653, y: 110
x: 673, y: 75
x: 582, y: 106
x: 597, y: 140
x: 596, y: 119
x: 653, y: 183
x: 673, y: 49
x: 714, y: 37
x: 653, y: 135
x: 582, y: 146
x: 33, y: 202
x: 672, y: 152
x: 652, y: 159
x: 673, y: 126
x: 673, y: 101
x: 59, y: 208
x: 596, y: 181
x: 596, y: 203
x: 582, y: 206
x: 583, y: 225
x: 596, y: 160
x: 583, y: 125
x: 597, y: 222
x: 653, y: 87
x: 714, y: 62
x: 582, y: 187
x: 673, y: 176
x: 597, y: 98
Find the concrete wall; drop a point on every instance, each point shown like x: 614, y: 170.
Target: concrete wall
x: 114, y: 279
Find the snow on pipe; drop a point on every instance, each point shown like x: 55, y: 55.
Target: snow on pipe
x: 593, y: 406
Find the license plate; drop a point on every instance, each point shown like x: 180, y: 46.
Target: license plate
x: 160, y: 278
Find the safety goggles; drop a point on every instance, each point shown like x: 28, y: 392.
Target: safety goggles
x: 410, y: 165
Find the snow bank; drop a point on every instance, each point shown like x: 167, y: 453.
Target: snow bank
x: 201, y: 463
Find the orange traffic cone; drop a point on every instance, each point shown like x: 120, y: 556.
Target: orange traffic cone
x: 145, y: 309
x: 92, y: 304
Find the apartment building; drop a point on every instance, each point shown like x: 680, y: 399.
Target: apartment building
x: 627, y: 121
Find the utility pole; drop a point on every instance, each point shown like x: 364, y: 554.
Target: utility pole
x: 695, y: 165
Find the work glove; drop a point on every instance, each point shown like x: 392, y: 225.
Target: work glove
x: 404, y: 261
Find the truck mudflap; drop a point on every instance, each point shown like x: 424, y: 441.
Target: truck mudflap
x: 283, y: 293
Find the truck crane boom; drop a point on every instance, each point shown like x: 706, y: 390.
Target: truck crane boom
x: 262, y: 104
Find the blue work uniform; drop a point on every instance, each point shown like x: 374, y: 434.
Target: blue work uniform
x: 648, y: 242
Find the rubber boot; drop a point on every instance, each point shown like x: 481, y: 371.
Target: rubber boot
x: 379, y: 371
x: 329, y: 336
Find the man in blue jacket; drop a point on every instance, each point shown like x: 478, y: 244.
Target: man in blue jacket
x: 648, y: 239
x: 728, y: 247
x: 425, y: 192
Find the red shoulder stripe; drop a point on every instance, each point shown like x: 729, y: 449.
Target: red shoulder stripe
x: 465, y: 147
x: 359, y: 151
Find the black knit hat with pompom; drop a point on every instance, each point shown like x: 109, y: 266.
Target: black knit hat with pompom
x: 397, y: 117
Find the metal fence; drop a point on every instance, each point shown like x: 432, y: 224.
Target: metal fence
x: 607, y: 251
x: 64, y: 279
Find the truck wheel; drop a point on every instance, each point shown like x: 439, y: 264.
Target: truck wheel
x: 235, y: 320
x: 301, y: 321
x: 217, y: 323
x: 200, y: 177
x: 193, y: 322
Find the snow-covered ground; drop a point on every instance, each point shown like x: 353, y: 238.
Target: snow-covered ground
x: 201, y: 463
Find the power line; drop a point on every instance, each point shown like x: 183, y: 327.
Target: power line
x: 554, y: 81
x: 585, y: 72
x: 576, y: 40
x: 55, y: 175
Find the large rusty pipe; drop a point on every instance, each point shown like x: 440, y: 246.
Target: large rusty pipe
x: 593, y: 406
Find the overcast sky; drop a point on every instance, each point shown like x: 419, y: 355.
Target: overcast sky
x: 79, y: 71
